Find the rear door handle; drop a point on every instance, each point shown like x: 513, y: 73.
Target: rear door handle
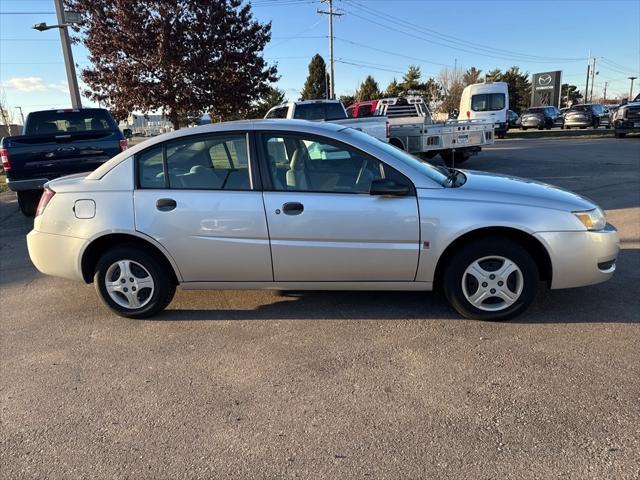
x: 166, y: 204
x: 293, y: 208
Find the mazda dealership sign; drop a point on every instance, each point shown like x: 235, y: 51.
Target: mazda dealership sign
x: 545, y: 89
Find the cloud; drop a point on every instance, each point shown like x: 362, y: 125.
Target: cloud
x: 33, y: 84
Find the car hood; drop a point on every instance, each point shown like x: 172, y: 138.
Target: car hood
x: 505, y: 188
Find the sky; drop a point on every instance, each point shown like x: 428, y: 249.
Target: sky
x: 373, y: 37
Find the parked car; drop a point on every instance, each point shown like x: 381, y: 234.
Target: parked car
x: 541, y: 118
x: 591, y: 115
x: 299, y: 205
x: 487, y: 101
x: 513, y: 119
x: 57, y: 143
x: 627, y: 118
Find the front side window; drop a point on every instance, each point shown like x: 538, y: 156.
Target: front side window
x: 487, y: 102
x: 309, y: 164
x: 217, y: 162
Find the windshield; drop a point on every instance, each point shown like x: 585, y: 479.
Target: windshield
x: 581, y: 108
x: 434, y: 173
x: 62, y: 122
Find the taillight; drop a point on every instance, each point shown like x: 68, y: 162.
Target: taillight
x: 47, y: 195
x: 4, y: 155
x: 124, y: 144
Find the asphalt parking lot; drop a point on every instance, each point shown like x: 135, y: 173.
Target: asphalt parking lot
x: 333, y: 385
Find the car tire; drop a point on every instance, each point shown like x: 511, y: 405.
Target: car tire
x: 620, y: 135
x: 491, y: 254
x: 524, y: 128
x: 146, y: 289
x: 567, y: 127
x: 28, y: 202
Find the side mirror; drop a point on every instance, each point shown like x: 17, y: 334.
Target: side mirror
x: 384, y: 186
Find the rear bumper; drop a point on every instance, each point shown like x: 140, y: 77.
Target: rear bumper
x: 56, y: 255
x: 31, y: 184
x: 578, y: 123
x: 581, y: 258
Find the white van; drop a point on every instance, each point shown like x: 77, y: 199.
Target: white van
x: 486, y: 101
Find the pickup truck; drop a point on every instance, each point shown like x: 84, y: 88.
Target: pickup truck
x: 627, y: 118
x: 411, y: 128
x: 329, y: 111
x: 57, y: 143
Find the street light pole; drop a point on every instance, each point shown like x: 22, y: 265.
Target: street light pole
x: 631, y: 88
x: 72, y: 80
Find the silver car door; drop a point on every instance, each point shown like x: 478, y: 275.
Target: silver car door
x: 323, y: 223
x: 195, y: 197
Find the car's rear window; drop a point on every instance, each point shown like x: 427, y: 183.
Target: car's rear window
x: 581, y: 108
x: 62, y: 122
x: 319, y: 111
x: 536, y: 110
x: 487, y: 102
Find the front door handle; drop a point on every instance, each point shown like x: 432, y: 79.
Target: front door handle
x: 293, y: 208
x: 166, y: 204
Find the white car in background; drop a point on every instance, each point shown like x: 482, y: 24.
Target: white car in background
x: 294, y: 205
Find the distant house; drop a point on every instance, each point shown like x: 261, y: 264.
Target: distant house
x: 147, y: 125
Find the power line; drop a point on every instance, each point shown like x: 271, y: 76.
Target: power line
x: 458, y: 44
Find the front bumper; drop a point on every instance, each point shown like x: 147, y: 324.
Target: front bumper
x: 56, y: 255
x: 581, y: 258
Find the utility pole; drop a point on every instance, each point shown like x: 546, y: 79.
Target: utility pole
x: 72, y: 80
x: 631, y: 88
x: 593, y: 78
x: 604, y: 94
x: 586, y: 88
x: 331, y: 14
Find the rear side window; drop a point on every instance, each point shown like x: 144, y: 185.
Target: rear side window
x: 319, y: 111
x: 488, y: 102
x: 219, y: 162
x: 364, y: 111
x: 58, y: 122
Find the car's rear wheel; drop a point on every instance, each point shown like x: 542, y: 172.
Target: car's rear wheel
x: 620, y: 135
x: 28, y: 202
x: 491, y: 279
x: 133, y: 283
x: 523, y: 128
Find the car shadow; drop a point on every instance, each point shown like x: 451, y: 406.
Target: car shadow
x: 616, y: 301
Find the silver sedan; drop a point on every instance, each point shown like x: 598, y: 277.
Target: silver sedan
x: 295, y: 205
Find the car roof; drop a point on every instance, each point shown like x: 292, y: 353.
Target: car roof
x: 303, y: 126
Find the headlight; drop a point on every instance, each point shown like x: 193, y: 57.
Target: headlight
x: 592, y: 219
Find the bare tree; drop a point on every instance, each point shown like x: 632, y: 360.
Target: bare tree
x: 451, y: 83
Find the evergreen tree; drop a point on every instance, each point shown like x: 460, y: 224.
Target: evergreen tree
x: 570, y: 95
x: 368, y: 90
x: 316, y: 85
x: 347, y: 100
x: 494, y: 75
x: 272, y: 98
x: 472, y: 76
x: 519, y: 88
x: 411, y: 81
x: 393, y: 89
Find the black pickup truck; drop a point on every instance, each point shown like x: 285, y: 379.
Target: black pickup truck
x: 57, y: 143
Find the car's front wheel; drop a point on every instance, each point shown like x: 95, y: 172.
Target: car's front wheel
x: 133, y: 283
x: 491, y: 279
